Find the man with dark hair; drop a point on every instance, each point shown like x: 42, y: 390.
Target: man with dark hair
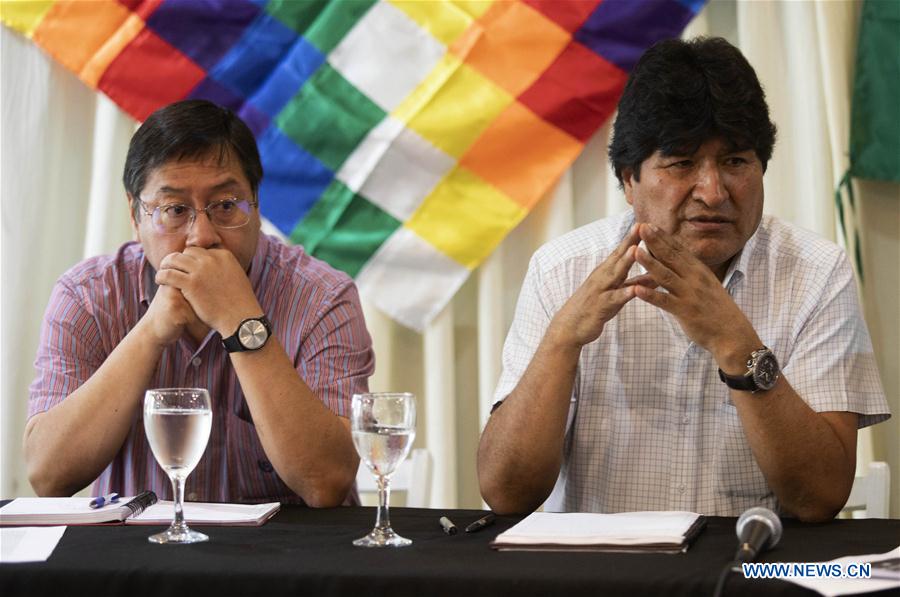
x: 202, y: 299
x: 740, y: 376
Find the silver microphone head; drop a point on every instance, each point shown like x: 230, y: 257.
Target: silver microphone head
x: 765, y: 516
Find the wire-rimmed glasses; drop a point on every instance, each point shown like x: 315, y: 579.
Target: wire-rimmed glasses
x: 170, y: 218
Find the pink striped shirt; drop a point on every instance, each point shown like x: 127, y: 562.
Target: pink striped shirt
x: 315, y: 314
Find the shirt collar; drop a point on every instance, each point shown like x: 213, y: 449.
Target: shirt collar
x: 147, y: 285
x: 740, y: 263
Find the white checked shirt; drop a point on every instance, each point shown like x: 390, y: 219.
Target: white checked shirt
x: 651, y: 426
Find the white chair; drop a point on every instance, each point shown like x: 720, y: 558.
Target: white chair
x: 412, y: 478
x: 870, y: 496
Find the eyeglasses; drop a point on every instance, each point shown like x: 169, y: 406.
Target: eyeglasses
x: 178, y: 217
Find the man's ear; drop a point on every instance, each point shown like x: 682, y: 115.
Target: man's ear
x: 628, y: 184
x: 135, y: 225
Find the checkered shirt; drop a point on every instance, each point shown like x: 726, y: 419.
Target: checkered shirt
x: 651, y: 426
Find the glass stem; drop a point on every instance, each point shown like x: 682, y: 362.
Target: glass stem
x: 178, y: 492
x: 383, y: 518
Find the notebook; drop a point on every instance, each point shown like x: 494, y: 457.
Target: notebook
x: 203, y: 513
x: 142, y: 509
x: 71, y: 510
x: 637, y: 532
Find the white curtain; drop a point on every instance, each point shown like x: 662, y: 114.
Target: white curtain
x: 63, y: 147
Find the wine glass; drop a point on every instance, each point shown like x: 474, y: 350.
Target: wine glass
x: 384, y: 426
x: 177, y: 422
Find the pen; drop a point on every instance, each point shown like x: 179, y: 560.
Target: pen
x: 102, y: 500
x: 482, y: 522
x: 448, y: 525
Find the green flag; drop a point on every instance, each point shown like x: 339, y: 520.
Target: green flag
x: 875, y: 117
x: 875, y: 114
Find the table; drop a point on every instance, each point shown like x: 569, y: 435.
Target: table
x: 303, y: 551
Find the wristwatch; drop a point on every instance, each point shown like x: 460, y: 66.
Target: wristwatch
x: 762, y: 373
x: 252, y: 334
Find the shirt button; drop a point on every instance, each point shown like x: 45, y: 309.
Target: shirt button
x: 192, y: 497
x: 265, y: 466
x: 685, y: 419
x: 681, y: 487
x: 196, y: 362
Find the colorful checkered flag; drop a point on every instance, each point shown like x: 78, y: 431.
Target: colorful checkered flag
x: 401, y: 140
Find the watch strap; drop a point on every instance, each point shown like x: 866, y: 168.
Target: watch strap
x: 232, y: 344
x: 745, y: 382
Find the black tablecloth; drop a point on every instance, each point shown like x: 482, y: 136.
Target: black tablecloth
x: 308, y: 552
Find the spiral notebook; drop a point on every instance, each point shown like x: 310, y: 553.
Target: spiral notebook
x: 44, y: 511
x: 142, y: 509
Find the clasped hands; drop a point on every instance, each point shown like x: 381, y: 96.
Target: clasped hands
x: 200, y: 287
x: 693, y: 295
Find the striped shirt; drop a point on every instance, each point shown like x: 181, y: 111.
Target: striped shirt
x: 315, y: 314
x: 651, y: 425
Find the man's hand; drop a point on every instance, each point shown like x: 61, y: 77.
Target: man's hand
x: 697, y: 299
x: 215, y: 285
x: 168, y: 316
x: 599, y: 298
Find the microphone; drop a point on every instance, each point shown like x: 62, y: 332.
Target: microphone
x: 757, y: 530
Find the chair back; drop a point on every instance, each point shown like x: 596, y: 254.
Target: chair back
x: 870, y: 496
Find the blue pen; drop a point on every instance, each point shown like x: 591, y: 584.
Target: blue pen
x: 102, y: 500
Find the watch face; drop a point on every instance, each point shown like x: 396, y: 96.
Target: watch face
x: 253, y: 334
x: 766, y: 372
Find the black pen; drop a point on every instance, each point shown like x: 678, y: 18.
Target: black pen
x: 448, y: 525
x: 482, y: 522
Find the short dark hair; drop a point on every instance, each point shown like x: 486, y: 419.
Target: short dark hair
x: 683, y: 93
x: 184, y: 130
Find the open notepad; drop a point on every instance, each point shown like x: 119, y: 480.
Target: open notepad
x: 76, y: 511
x: 647, y: 532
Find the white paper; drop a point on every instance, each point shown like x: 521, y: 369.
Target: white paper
x: 60, y: 510
x: 578, y: 528
x: 28, y: 544
x: 832, y: 587
x: 76, y: 510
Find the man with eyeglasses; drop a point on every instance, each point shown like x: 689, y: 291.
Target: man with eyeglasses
x: 200, y: 299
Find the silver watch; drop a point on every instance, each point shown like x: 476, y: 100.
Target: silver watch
x: 762, y: 373
x: 252, y: 334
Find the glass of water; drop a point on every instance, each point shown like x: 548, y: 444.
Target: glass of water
x: 177, y: 422
x: 384, y: 427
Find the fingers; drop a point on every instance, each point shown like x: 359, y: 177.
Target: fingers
x: 659, y: 272
x: 612, y: 272
x: 664, y: 247
x: 632, y: 238
x: 645, y: 280
x: 618, y: 297
x: 172, y: 277
x: 658, y: 299
x: 178, y: 261
x: 622, y: 266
